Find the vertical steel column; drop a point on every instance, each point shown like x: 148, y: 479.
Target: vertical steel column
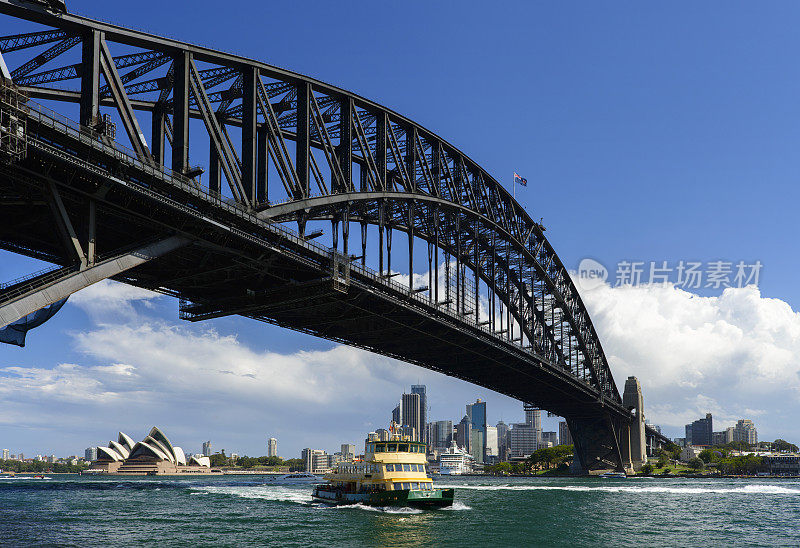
x: 91, y: 237
x: 380, y: 238
x: 249, y: 134
x: 345, y: 148
x: 477, y: 262
x: 389, y: 251
x: 158, y: 132
x: 430, y: 272
x: 411, y: 157
x: 459, y: 285
x: 303, y: 137
x: 346, y: 231
x: 363, y: 243
x: 380, y: 148
x: 411, y: 247
x: 180, y: 112
x: 436, y: 254
x: 262, y: 172
x: 214, y: 175
x: 90, y: 78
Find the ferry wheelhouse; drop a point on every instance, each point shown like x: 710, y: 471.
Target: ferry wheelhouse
x: 392, y: 473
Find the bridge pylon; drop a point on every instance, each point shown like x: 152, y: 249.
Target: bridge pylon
x: 632, y: 439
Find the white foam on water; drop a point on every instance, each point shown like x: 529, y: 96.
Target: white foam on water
x: 20, y: 478
x: 263, y: 492
x: 457, y: 505
x: 380, y: 509
x: 759, y: 489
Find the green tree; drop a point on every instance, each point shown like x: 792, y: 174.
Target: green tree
x: 696, y: 464
x: 647, y: 469
x: 783, y: 445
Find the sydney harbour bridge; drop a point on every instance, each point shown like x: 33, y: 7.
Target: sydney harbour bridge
x: 245, y: 189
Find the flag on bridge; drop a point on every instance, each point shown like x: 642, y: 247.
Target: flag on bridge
x: 522, y: 181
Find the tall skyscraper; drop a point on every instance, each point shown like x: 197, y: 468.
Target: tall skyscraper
x: 441, y: 434
x: 533, y: 416
x: 90, y: 454
x: 423, y: 406
x: 745, y: 431
x: 477, y: 417
x: 492, y: 448
x: 272, y: 447
x: 700, y: 432
x: 206, y: 448
x: 564, y: 435
x: 6, y: 454
x: 502, y: 440
x: 463, y: 430
x: 411, y: 413
x: 396, y: 415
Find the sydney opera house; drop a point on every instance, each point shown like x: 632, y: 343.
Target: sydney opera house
x: 154, y: 455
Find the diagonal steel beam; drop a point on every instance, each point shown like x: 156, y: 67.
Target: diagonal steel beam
x: 48, y: 55
x: 30, y: 39
x: 124, y: 107
x: 52, y: 291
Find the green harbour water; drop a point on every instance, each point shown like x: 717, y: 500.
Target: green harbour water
x: 262, y: 510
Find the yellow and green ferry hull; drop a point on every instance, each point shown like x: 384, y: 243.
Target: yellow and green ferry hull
x: 416, y: 498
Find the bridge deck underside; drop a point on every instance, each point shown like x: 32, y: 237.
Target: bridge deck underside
x: 222, y: 274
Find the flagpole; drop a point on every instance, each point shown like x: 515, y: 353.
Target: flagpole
x: 514, y: 187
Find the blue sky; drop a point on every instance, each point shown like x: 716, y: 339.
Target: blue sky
x: 647, y: 132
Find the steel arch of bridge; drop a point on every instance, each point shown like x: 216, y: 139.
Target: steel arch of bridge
x: 289, y: 148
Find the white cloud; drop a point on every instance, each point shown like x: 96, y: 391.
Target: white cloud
x: 112, y: 298
x: 734, y: 355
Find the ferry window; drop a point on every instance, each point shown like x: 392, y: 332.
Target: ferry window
x: 406, y: 486
x: 404, y: 447
x: 380, y: 447
x: 415, y: 485
x: 392, y: 447
x: 390, y: 467
x: 406, y: 468
x: 370, y: 448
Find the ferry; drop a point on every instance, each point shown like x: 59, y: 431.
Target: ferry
x: 614, y: 475
x: 393, y: 473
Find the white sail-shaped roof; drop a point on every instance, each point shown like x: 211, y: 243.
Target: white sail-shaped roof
x: 121, y: 450
x: 108, y: 454
x: 155, y: 443
x: 148, y: 451
x: 180, y: 456
x: 159, y: 436
x: 126, y: 440
x: 200, y: 461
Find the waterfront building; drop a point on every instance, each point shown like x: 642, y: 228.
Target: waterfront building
x: 90, y: 454
x: 564, y: 435
x: 206, y: 448
x: 700, y: 432
x: 272, y: 447
x: 689, y: 452
x: 316, y: 461
x: 411, y: 413
x: 463, y: 429
x: 6, y: 454
x: 455, y: 461
x: 492, y: 448
x: 348, y: 452
x: 382, y: 434
x: 441, y: 435
x: 477, y: 418
x: 723, y: 437
x: 154, y: 455
x: 523, y: 440
x: 533, y: 416
x: 784, y: 464
x: 745, y: 431
x: 729, y: 434
x: 421, y: 390
x: 502, y: 440
x: 551, y: 438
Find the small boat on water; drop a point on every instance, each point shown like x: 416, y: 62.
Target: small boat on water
x: 614, y: 475
x: 300, y: 476
x: 392, y: 473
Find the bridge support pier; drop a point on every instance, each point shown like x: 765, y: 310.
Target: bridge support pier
x: 596, y: 443
x: 632, y: 440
